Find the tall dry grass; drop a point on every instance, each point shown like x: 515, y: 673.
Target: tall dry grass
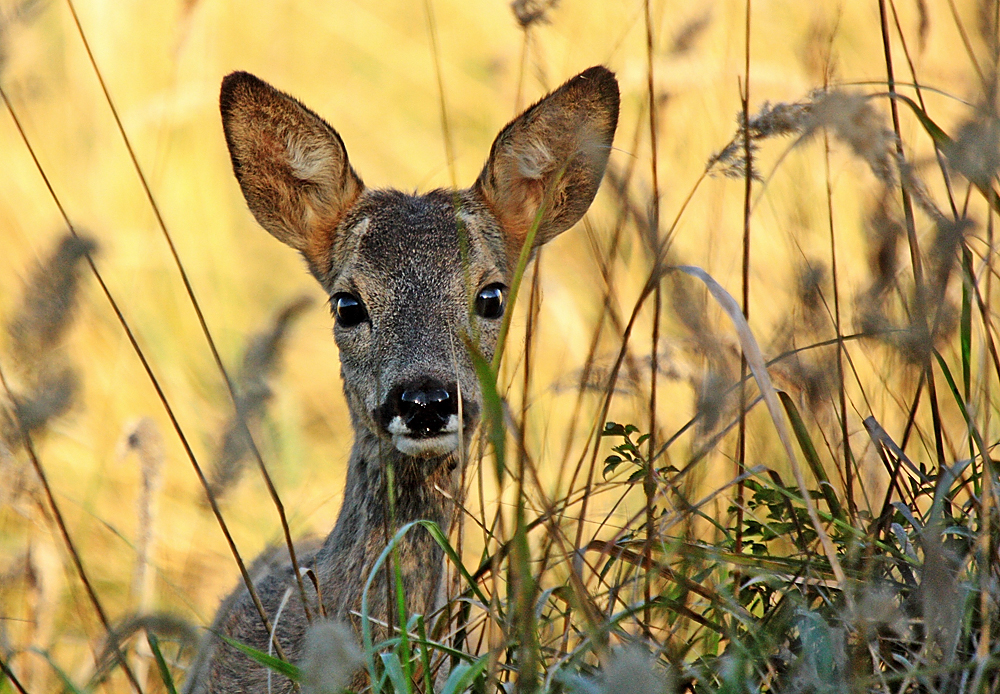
x: 808, y: 186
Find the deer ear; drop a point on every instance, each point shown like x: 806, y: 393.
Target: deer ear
x: 292, y: 166
x: 548, y: 162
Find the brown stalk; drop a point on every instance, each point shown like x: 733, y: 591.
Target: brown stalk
x: 852, y: 508
x: 646, y: 291
x: 524, y: 588
x: 841, y: 349
x: 745, y: 286
x: 649, y: 488
x: 449, y: 149
x: 146, y: 367
x: 919, y: 311
x: 25, y: 437
x: 606, y: 266
x: 201, y: 321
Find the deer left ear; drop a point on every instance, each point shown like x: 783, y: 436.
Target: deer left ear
x: 292, y: 166
x: 547, y: 164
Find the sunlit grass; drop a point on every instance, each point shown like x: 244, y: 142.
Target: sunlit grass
x: 367, y: 68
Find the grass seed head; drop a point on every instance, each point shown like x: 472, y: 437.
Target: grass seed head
x: 770, y: 121
x: 689, y: 33
x: 940, y: 593
x: 877, y: 612
x: 853, y: 119
x: 975, y: 150
x: 260, y: 359
x: 944, y: 250
x: 330, y: 657
x: 49, y: 299
x: 531, y: 12
x: 884, y: 234
x: 54, y: 390
x: 712, y: 401
x: 810, y: 285
x: 632, y: 670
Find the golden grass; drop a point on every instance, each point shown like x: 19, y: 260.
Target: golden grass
x: 367, y: 68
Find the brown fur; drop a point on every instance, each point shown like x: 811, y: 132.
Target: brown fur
x: 402, y: 256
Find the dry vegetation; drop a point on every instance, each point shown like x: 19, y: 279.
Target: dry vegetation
x: 638, y: 532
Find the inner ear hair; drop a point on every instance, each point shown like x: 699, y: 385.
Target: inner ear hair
x: 291, y: 165
x: 546, y: 165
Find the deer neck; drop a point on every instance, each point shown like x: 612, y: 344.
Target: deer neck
x: 424, y: 489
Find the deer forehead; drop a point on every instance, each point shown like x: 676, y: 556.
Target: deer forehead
x: 423, y: 248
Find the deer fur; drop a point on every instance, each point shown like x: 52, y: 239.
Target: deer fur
x: 429, y: 273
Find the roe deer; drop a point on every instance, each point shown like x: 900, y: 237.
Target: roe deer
x: 410, y: 278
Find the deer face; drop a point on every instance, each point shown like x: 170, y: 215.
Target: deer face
x: 414, y: 280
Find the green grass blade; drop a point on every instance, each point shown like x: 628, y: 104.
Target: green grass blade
x: 161, y: 663
x: 278, y: 665
x: 63, y: 677
x: 947, y: 145
x: 965, y: 326
x: 425, y: 652
x: 953, y: 387
x: 493, y: 421
x: 442, y: 540
x: 394, y: 670
x: 812, y: 458
x: 400, y: 590
x: 940, y: 137
x: 462, y: 677
x: 522, y: 263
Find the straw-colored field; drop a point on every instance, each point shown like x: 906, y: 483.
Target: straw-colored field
x: 371, y: 70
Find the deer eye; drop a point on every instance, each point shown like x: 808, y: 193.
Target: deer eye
x: 348, y: 310
x: 490, y: 301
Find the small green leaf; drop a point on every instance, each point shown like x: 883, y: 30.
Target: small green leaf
x: 613, y: 429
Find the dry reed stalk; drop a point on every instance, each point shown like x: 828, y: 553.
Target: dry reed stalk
x: 144, y: 438
x: 154, y: 381
x: 189, y: 289
x: 42, y: 386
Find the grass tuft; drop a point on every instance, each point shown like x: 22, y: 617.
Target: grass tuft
x: 639, y: 523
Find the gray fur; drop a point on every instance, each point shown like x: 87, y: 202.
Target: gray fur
x: 417, y: 263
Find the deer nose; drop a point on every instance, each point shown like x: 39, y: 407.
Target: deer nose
x: 426, y: 409
x: 423, y: 398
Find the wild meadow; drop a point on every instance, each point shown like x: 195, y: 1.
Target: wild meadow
x: 741, y: 436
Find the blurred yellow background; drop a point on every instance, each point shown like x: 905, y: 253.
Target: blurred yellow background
x: 369, y: 70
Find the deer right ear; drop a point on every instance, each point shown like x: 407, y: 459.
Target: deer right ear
x: 546, y: 165
x: 292, y: 166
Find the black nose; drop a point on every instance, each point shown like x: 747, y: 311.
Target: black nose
x: 423, y: 398
x: 425, y: 406
x: 426, y: 411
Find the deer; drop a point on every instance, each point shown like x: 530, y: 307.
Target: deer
x: 413, y: 280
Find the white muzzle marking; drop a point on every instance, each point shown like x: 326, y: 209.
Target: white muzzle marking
x: 424, y: 447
